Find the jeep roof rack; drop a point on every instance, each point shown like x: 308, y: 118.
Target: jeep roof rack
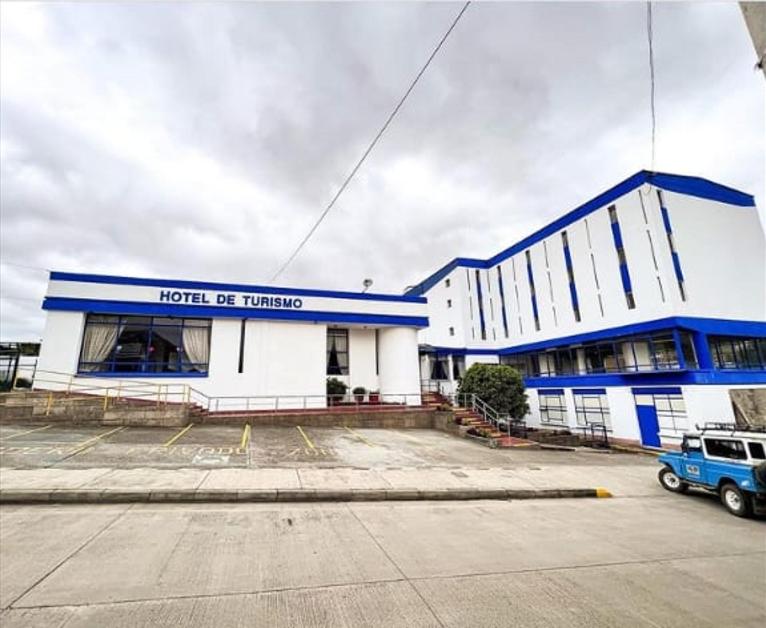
x: 730, y: 427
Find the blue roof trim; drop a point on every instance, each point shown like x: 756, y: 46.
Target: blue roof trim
x: 710, y: 326
x: 691, y: 186
x: 203, y: 285
x: 678, y: 378
x: 166, y: 309
x: 462, y: 262
x: 550, y: 391
x: 665, y: 390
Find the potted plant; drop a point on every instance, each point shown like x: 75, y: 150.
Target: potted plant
x: 336, y: 390
x: 359, y: 392
x: 374, y: 396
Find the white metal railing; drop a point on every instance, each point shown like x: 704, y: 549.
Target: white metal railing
x: 78, y: 387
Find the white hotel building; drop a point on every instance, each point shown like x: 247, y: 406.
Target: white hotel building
x: 640, y: 309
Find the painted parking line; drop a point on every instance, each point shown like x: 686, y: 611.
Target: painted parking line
x: 359, y: 436
x: 306, y: 438
x: 245, y: 436
x: 92, y: 441
x: 177, y: 436
x: 38, y: 429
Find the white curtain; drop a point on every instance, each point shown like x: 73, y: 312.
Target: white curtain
x: 196, y: 345
x: 97, y: 344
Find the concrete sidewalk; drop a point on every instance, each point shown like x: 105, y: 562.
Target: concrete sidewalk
x: 323, y: 484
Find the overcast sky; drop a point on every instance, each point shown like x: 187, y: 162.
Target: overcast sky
x: 200, y: 141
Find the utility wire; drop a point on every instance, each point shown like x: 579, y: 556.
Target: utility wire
x: 650, y: 37
x: 372, y: 144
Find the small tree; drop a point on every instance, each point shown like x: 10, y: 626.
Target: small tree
x: 498, y: 385
x: 336, y: 389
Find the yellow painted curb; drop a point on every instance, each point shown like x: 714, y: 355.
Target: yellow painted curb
x: 602, y: 492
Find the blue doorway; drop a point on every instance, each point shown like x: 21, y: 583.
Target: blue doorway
x: 648, y: 425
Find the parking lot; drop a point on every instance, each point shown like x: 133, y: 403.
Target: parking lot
x: 50, y: 445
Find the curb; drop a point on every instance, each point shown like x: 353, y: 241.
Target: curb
x: 111, y: 496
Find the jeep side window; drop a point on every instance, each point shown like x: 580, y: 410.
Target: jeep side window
x: 692, y: 443
x: 724, y: 448
x: 756, y: 451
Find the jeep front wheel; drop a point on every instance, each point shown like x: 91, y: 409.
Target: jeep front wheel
x: 737, y: 502
x: 671, y: 482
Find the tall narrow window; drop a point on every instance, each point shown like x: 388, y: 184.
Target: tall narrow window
x: 622, y: 260
x: 570, y: 276
x: 241, y: 364
x: 502, y: 300
x: 530, y: 277
x: 482, y: 323
x: 672, y: 245
x: 337, y: 351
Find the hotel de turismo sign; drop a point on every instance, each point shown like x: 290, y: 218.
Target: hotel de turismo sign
x: 230, y: 299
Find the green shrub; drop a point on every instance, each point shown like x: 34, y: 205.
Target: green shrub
x: 359, y: 390
x: 336, y: 387
x: 498, y: 385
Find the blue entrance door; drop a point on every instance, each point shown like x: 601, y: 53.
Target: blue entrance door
x: 648, y: 425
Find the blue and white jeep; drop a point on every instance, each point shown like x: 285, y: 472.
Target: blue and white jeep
x: 724, y: 458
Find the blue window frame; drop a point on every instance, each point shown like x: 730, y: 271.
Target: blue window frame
x: 592, y: 407
x: 672, y: 245
x: 481, y: 306
x: 570, y: 276
x: 621, y: 258
x: 553, y: 407
x: 502, y: 299
x: 532, y: 293
x: 738, y: 353
x: 149, y: 346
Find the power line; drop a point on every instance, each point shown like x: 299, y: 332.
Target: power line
x: 372, y: 145
x: 650, y: 36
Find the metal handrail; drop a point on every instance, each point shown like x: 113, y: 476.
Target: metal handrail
x: 119, y: 390
x: 487, y: 412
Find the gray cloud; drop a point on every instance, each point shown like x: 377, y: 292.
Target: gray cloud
x: 201, y: 140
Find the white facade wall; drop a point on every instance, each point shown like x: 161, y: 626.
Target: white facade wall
x: 722, y: 253
x: 722, y: 256
x: 399, y: 365
x: 282, y: 361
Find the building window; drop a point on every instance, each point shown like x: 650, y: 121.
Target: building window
x: 502, y: 300
x: 531, y: 280
x: 482, y: 324
x: 672, y: 246
x: 145, y: 345
x: 439, y: 368
x: 738, y: 353
x: 451, y: 331
x: 570, y: 276
x: 449, y: 303
x: 337, y: 351
x: 671, y: 413
x: 592, y: 407
x: 458, y: 366
x: 553, y: 408
x: 621, y: 258
x: 446, y: 283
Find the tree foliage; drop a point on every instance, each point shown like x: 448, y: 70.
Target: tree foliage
x: 498, y: 385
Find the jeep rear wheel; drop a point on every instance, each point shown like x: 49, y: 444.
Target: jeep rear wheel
x: 736, y: 501
x: 671, y: 482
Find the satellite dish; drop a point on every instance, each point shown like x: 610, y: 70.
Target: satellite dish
x: 366, y: 283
